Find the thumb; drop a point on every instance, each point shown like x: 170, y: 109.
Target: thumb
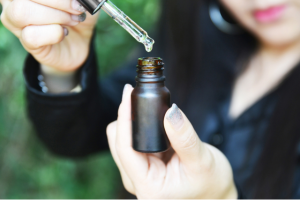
x: 192, y: 152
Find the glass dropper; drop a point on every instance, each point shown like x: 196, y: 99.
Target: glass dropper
x: 121, y: 18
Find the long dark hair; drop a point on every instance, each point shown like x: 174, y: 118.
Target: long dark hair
x: 197, y: 52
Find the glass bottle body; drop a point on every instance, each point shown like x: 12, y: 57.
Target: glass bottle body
x: 150, y: 100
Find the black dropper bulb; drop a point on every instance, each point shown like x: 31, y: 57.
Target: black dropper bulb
x: 92, y: 6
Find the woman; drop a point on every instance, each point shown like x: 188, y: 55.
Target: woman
x: 238, y: 89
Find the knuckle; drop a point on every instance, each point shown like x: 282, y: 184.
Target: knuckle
x: 30, y: 37
x: 3, y: 19
x: 128, y: 188
x: 110, y: 128
x: 190, y: 139
x: 7, y: 24
x: 19, y: 12
x: 206, y: 168
x: 57, y: 34
x: 208, y: 164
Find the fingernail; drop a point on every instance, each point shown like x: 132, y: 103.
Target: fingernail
x: 175, y: 117
x: 77, y: 6
x: 79, y: 18
x: 126, y: 88
x: 66, y: 31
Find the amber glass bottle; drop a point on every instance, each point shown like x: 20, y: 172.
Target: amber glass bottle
x: 150, y: 101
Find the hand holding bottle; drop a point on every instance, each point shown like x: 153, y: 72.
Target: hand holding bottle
x: 42, y: 26
x: 196, y: 169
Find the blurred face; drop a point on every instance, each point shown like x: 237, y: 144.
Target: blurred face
x: 273, y: 22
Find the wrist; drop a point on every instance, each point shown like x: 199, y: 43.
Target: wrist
x: 50, y: 71
x: 58, y: 81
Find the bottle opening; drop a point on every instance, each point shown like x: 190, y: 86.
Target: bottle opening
x: 150, y: 69
x: 150, y: 61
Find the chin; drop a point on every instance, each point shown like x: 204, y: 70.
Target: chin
x: 278, y: 36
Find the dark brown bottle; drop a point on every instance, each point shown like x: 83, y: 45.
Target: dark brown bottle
x: 150, y: 101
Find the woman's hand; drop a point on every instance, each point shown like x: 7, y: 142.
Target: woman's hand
x: 41, y: 26
x: 196, y: 169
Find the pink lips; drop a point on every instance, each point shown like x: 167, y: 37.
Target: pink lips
x: 269, y: 15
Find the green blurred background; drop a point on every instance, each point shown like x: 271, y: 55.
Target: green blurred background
x: 27, y: 169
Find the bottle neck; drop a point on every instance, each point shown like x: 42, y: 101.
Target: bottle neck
x: 150, y: 74
x: 151, y: 85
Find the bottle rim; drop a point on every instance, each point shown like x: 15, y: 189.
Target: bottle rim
x: 150, y: 61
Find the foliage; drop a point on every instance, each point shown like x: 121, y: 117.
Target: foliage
x: 116, y: 41
x: 27, y: 169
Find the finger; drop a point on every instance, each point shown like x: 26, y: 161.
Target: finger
x: 111, y: 136
x: 35, y: 37
x: 4, y: 2
x: 6, y: 23
x: 185, y: 141
x: 135, y: 163
x: 22, y: 13
x: 71, y: 6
